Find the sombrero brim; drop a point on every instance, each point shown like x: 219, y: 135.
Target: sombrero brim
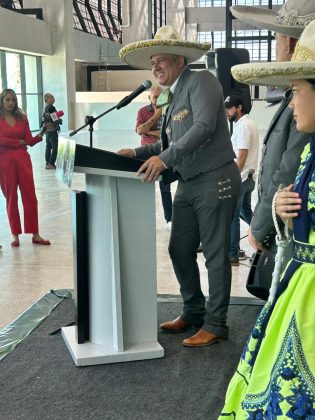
x: 273, y: 74
x: 138, y: 54
x: 264, y: 19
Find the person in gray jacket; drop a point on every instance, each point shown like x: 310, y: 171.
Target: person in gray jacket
x: 283, y: 144
x: 195, y: 143
x: 52, y: 130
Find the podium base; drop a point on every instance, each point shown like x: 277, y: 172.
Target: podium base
x: 89, y: 354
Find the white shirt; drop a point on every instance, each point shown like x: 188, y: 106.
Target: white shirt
x: 173, y: 87
x: 245, y: 136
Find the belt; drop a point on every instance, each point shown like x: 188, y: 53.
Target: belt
x: 303, y: 252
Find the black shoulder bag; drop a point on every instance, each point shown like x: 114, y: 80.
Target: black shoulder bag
x: 260, y: 274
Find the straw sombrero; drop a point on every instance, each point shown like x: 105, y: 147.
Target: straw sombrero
x: 301, y: 66
x: 290, y: 20
x: 166, y: 41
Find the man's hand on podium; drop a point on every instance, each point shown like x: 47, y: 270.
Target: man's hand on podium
x: 127, y: 152
x: 151, y: 169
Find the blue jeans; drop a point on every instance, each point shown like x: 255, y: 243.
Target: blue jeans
x: 51, y: 147
x: 243, y: 211
x: 166, y: 200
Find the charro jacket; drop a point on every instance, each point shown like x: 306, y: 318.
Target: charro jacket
x: 282, y: 149
x: 194, y: 127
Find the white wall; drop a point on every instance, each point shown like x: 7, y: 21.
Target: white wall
x: 136, y: 23
x: 60, y: 45
x: 120, y: 80
x: 93, y: 49
x: 24, y: 34
x: 213, y: 18
x: 96, y: 103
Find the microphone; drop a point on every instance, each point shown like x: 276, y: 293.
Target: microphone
x: 53, y: 117
x: 56, y: 115
x: 127, y: 99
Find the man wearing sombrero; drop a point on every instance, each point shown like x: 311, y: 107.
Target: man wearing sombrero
x: 283, y: 144
x: 195, y: 143
x: 275, y: 377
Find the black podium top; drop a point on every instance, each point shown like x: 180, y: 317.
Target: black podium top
x: 103, y: 159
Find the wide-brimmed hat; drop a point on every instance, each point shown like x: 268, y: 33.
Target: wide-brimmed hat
x: 281, y: 73
x: 166, y: 41
x: 290, y: 20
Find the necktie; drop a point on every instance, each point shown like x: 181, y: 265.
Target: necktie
x: 163, y: 101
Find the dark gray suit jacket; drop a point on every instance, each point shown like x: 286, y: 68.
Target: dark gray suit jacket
x: 196, y: 124
x: 283, y: 146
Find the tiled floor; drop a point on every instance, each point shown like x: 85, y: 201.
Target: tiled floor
x: 30, y: 271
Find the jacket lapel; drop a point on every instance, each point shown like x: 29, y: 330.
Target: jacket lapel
x: 276, y: 117
x: 179, y: 87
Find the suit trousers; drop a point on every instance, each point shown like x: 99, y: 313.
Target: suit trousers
x: 203, y: 209
x: 243, y: 211
x: 166, y: 196
x: 16, y: 172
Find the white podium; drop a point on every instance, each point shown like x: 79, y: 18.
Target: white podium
x: 121, y: 244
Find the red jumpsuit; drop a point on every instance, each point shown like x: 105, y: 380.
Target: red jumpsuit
x: 16, y: 171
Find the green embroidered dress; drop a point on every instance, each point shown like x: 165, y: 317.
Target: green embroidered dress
x: 275, y: 378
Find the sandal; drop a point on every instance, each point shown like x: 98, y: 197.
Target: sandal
x: 15, y: 243
x: 40, y: 241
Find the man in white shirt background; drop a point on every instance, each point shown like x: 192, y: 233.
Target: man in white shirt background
x: 245, y: 141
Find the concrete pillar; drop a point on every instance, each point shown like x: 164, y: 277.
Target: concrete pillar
x: 176, y: 16
x: 59, y: 68
x: 135, y: 20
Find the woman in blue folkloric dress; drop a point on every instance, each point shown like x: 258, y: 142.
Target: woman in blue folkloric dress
x: 275, y: 377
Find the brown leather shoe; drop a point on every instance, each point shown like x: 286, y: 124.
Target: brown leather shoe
x: 178, y: 325
x: 202, y: 338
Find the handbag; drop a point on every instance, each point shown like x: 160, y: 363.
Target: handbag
x: 260, y: 274
x: 264, y: 273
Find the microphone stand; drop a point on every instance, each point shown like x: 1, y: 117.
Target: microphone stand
x: 89, y: 121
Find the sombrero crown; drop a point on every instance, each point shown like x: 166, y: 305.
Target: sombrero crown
x: 301, y: 66
x: 166, y: 41
x: 290, y: 19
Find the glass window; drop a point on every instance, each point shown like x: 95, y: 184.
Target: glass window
x: 102, y: 18
x: 258, y: 48
x: 22, y: 73
x: 13, y: 70
x: 158, y: 14
x: 32, y: 110
x: 31, y: 76
x: 220, y: 3
x: 256, y: 40
x: 32, y: 96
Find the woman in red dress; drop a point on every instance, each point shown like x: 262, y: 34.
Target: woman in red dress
x: 16, y: 168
